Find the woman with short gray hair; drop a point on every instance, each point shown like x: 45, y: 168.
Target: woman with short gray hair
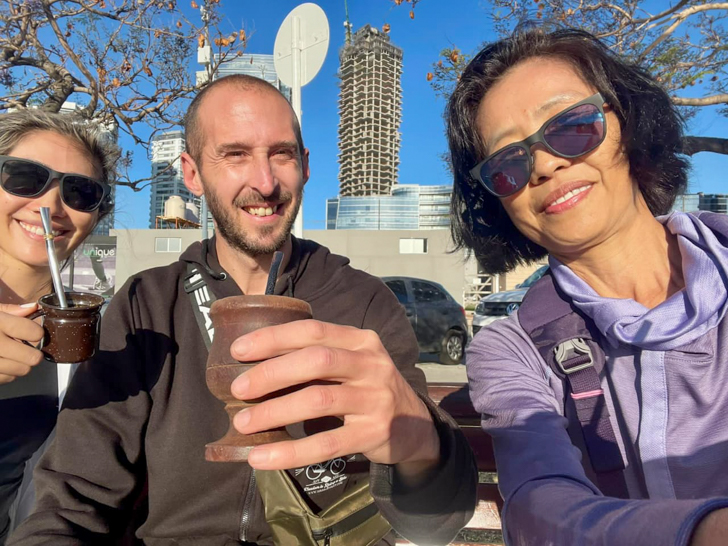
x: 63, y: 163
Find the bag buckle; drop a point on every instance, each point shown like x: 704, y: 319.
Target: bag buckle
x: 573, y: 355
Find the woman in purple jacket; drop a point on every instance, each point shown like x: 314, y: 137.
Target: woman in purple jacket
x: 560, y: 147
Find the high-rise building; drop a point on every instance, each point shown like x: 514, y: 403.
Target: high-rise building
x: 687, y: 202
x: 691, y: 202
x: 370, y: 112
x: 714, y: 202
x: 166, y: 172
x: 259, y: 65
x: 410, y: 206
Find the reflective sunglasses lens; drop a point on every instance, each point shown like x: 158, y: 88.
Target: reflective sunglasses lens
x: 23, y: 178
x: 506, y: 172
x: 81, y: 193
x: 577, y: 131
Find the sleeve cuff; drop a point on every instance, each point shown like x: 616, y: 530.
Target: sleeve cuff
x: 685, y: 533
x: 444, y: 503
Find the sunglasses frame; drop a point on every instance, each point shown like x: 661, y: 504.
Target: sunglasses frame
x: 538, y: 137
x: 54, y: 175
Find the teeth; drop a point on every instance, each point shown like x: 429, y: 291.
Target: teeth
x: 261, y: 211
x: 569, y: 195
x: 36, y: 230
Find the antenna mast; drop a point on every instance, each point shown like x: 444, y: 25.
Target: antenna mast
x: 347, y: 24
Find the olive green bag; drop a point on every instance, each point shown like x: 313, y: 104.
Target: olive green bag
x: 353, y: 520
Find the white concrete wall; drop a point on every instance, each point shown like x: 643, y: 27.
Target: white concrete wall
x: 376, y: 252
x: 135, y: 249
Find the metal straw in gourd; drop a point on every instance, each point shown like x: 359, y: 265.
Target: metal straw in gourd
x: 45, y: 216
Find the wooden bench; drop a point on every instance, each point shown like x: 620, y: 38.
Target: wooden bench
x: 455, y: 400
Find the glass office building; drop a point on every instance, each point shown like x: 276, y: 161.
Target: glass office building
x: 260, y: 65
x: 714, y: 202
x: 691, y: 202
x: 688, y: 202
x: 408, y: 207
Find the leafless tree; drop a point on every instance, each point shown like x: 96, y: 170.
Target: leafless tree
x: 683, y: 45
x: 124, y: 62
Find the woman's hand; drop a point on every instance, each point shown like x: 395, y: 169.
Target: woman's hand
x: 17, y: 358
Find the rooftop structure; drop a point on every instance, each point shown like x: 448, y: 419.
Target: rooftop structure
x: 370, y: 111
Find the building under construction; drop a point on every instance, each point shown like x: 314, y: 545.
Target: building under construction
x: 370, y: 111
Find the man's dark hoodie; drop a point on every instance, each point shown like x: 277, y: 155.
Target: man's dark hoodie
x: 140, y: 412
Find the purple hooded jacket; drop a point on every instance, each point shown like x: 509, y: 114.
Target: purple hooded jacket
x: 666, y: 387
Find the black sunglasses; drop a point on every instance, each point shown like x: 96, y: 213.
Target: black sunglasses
x: 25, y: 178
x: 571, y: 133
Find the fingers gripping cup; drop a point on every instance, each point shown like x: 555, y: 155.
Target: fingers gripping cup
x: 233, y: 317
x: 71, y: 333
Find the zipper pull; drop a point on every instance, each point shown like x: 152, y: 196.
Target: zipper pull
x: 327, y: 540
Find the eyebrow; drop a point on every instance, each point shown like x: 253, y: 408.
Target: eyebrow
x: 232, y: 146
x: 569, y: 97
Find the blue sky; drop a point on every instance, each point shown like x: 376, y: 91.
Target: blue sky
x: 437, y: 24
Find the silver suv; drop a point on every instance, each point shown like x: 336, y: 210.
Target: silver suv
x: 501, y: 304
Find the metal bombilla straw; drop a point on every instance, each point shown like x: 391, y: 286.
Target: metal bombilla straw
x: 45, y: 216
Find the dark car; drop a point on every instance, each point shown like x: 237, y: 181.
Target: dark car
x: 502, y: 304
x: 437, y: 319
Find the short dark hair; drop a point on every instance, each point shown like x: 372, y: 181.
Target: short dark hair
x: 193, y: 138
x: 651, y: 129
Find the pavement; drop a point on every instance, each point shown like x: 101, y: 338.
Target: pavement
x: 435, y: 372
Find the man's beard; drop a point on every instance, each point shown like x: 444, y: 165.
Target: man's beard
x: 258, y: 243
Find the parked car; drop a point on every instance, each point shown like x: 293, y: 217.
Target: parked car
x: 502, y: 304
x: 438, y: 320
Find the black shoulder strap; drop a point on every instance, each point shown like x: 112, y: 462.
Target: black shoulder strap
x: 569, y: 343
x: 201, y: 299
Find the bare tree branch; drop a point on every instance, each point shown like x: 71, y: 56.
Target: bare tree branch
x: 704, y: 101
x: 693, y: 145
x: 121, y: 61
x: 683, y: 46
x: 679, y: 19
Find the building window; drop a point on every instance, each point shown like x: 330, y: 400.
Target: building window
x: 167, y: 244
x: 413, y: 246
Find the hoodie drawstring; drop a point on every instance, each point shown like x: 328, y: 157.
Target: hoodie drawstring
x: 221, y: 276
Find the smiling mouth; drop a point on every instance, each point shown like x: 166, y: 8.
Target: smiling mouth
x: 36, y: 230
x: 261, y: 211
x: 572, y: 193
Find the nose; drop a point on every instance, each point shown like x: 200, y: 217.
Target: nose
x: 51, y: 198
x: 545, y: 163
x: 263, y: 179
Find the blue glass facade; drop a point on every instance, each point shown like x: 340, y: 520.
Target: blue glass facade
x: 408, y: 207
x: 713, y: 202
x: 688, y: 202
x: 260, y: 65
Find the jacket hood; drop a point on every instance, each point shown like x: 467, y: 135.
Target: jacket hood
x: 305, y: 256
